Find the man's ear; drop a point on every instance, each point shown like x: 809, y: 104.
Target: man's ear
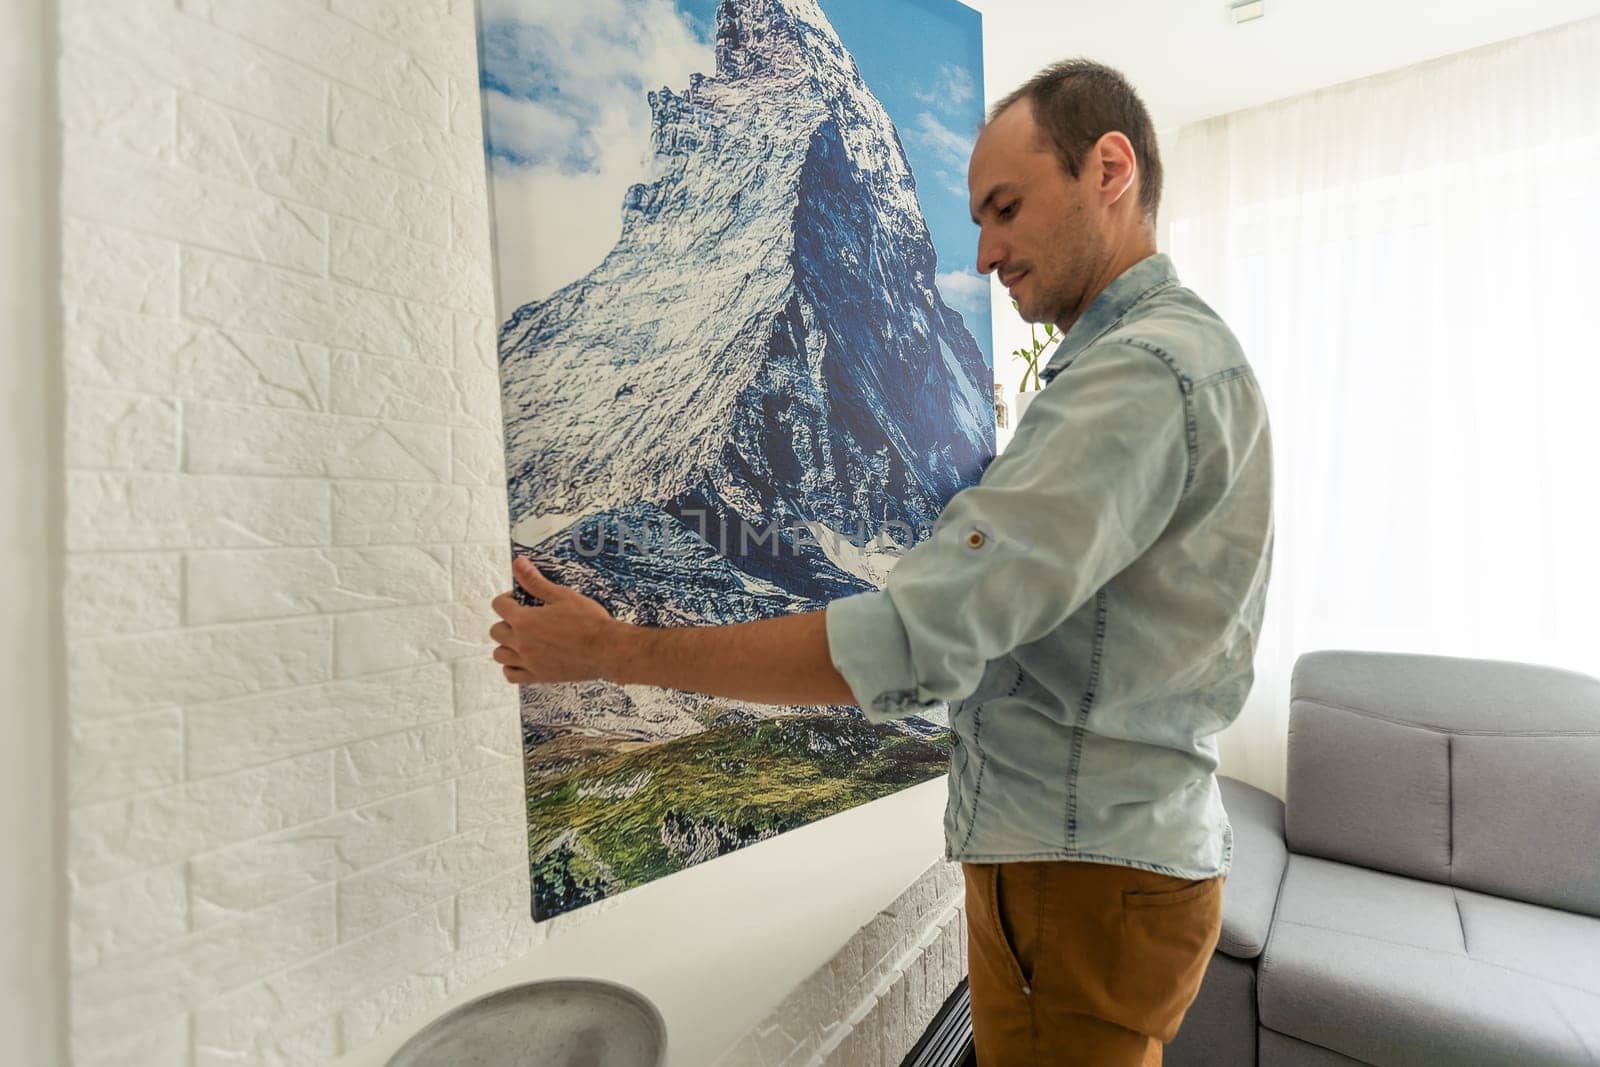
x: 1119, y: 167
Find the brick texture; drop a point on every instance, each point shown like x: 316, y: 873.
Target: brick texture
x: 869, y: 1004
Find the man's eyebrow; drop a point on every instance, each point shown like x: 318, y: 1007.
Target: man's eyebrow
x: 996, y: 191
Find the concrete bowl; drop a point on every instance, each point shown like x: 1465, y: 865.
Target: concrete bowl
x: 557, y: 1022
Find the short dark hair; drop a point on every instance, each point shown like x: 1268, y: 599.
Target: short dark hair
x: 1078, y: 101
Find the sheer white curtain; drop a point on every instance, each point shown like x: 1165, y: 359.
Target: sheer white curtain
x: 1410, y: 262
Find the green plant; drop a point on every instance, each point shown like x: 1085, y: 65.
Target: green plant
x: 1030, y: 355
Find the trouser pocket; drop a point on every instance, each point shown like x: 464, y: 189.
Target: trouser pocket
x: 1168, y: 933
x: 1016, y: 917
x: 1000, y: 930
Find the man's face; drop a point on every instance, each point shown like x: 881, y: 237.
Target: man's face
x: 1038, y: 227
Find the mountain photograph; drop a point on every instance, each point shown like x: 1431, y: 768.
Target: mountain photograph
x: 744, y: 389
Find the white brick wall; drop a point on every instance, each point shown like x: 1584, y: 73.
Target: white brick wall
x: 295, y: 783
x: 294, y: 774
x: 869, y: 1004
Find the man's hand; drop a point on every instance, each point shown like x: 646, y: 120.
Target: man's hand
x: 566, y: 639
x: 570, y: 638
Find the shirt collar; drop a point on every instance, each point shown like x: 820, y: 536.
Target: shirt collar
x: 1110, y: 306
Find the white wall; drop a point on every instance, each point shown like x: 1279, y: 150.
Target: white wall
x: 294, y: 773
x: 1190, y: 62
x: 294, y: 794
x: 32, y: 970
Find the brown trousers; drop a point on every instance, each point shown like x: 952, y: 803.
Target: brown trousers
x: 1083, y: 963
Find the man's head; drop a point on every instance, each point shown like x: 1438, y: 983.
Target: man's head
x: 1065, y: 181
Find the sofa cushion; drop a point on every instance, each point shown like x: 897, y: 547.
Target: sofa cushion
x: 1259, y: 858
x: 1362, y: 789
x: 1397, y: 971
x: 1473, y: 772
x: 1525, y: 817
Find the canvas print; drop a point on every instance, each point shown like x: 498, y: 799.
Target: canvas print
x: 745, y: 362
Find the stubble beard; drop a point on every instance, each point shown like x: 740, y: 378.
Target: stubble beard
x: 1069, y: 296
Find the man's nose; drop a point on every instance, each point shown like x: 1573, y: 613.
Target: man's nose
x: 991, y: 253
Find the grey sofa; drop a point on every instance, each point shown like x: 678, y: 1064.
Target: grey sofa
x: 1430, y: 892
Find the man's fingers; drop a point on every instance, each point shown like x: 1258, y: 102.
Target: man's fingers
x: 505, y: 605
x: 505, y: 655
x: 533, y: 582
x: 501, y: 632
x: 517, y: 675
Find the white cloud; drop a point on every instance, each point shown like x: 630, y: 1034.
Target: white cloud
x: 953, y: 89
x: 951, y: 148
x: 964, y: 290
x: 526, y: 128
x: 570, y: 126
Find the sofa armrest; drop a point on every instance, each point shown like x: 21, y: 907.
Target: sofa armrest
x: 1250, y: 895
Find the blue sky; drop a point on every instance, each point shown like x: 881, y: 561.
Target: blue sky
x: 933, y: 90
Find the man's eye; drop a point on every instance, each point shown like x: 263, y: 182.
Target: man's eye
x: 1008, y: 211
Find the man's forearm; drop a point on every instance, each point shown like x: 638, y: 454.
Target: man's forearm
x: 770, y: 661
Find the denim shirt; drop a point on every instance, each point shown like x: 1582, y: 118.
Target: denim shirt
x: 1090, y: 608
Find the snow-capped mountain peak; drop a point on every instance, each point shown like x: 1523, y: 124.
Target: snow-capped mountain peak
x: 764, y: 346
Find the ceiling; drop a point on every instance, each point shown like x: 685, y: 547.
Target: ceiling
x: 1189, y: 61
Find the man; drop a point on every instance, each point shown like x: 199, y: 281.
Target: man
x: 1091, y: 607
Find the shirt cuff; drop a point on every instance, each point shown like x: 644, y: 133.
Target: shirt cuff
x: 868, y: 645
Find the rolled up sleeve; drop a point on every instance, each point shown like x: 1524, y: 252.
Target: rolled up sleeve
x: 869, y: 646
x: 1093, y: 476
